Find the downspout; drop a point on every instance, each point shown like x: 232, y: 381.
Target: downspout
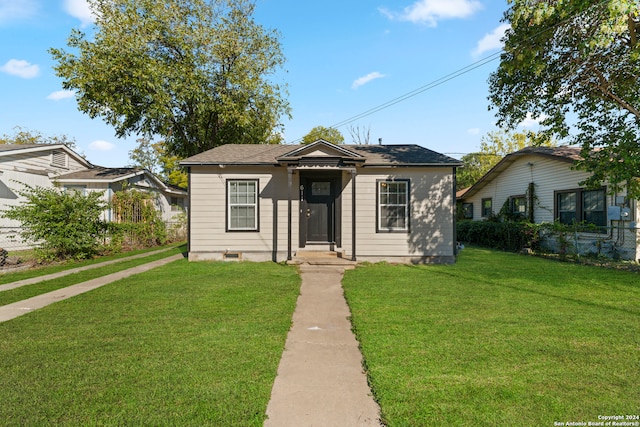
x: 453, y: 214
x: 353, y: 214
x: 289, y: 207
x: 189, y: 210
x: 109, y: 198
x: 532, y: 195
x: 531, y: 201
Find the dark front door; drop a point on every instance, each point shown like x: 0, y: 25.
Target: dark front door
x: 319, y: 210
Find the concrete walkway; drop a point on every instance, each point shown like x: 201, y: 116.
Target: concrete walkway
x: 11, y: 311
x: 52, y: 276
x: 320, y: 380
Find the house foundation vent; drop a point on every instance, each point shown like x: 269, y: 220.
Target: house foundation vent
x: 232, y: 256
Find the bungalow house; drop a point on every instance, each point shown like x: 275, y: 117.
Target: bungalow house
x: 48, y: 165
x: 540, y: 183
x: 362, y: 202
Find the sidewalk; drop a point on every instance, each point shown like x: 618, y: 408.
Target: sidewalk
x: 320, y: 380
x: 16, y: 309
x: 52, y: 276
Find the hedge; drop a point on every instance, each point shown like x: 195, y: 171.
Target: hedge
x: 508, y: 235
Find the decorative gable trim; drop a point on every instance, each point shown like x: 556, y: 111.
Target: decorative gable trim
x: 321, y: 148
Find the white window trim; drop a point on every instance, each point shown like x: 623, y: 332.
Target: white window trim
x: 255, y: 205
x: 379, y: 205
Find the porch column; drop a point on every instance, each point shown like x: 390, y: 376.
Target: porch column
x: 289, y: 207
x: 353, y: 213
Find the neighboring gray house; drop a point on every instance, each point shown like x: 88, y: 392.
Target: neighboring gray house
x: 363, y: 202
x: 541, y: 184
x: 48, y: 165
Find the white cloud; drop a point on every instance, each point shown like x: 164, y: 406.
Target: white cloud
x: 429, y: 12
x: 61, y: 94
x: 101, y: 146
x: 473, y: 131
x: 491, y: 41
x: 80, y: 9
x: 361, y: 81
x: 20, y: 68
x: 530, y: 122
x: 11, y: 10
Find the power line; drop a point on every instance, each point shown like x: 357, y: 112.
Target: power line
x: 415, y: 92
x: 420, y: 90
x: 445, y: 78
x: 411, y: 94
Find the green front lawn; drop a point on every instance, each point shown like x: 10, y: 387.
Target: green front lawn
x: 498, y: 339
x: 8, y: 276
x: 28, y: 291
x: 185, y: 344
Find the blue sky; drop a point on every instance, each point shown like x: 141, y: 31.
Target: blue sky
x: 344, y: 58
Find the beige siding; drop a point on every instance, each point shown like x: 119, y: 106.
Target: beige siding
x: 431, y: 222
x: 208, y: 213
x: 431, y: 215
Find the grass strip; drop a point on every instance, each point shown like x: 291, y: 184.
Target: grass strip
x: 498, y: 339
x: 186, y: 344
x: 10, y: 276
x: 28, y: 291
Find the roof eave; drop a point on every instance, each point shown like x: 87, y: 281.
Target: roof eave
x: 46, y: 147
x: 412, y: 165
x: 210, y: 163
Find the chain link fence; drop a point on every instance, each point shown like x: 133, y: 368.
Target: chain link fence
x: 11, y: 241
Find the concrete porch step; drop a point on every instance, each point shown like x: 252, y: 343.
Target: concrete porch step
x: 320, y: 258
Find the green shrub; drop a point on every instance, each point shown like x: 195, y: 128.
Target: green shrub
x: 508, y: 235
x: 62, y: 224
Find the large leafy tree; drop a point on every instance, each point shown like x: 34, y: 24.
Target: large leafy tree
x: 331, y: 135
x: 154, y: 157
x: 575, y: 64
x: 198, y: 73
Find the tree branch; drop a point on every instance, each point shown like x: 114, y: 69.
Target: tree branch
x: 604, y: 88
x: 633, y: 31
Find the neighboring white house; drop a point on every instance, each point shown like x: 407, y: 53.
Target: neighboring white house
x: 364, y: 202
x: 541, y: 184
x: 47, y: 165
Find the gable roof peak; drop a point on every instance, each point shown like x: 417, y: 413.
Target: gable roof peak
x: 319, y: 144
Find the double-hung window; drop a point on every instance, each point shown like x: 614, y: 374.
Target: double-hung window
x: 567, y: 207
x: 581, y: 205
x: 518, y: 206
x: 487, y: 208
x: 593, y: 207
x: 81, y: 189
x: 467, y: 210
x: 242, y: 205
x: 393, y: 206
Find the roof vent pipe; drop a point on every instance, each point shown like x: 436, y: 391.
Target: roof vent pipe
x: 379, y: 141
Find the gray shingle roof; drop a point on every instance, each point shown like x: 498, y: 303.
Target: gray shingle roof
x: 569, y: 153
x: 373, y: 155
x: 101, y: 173
x: 13, y: 147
